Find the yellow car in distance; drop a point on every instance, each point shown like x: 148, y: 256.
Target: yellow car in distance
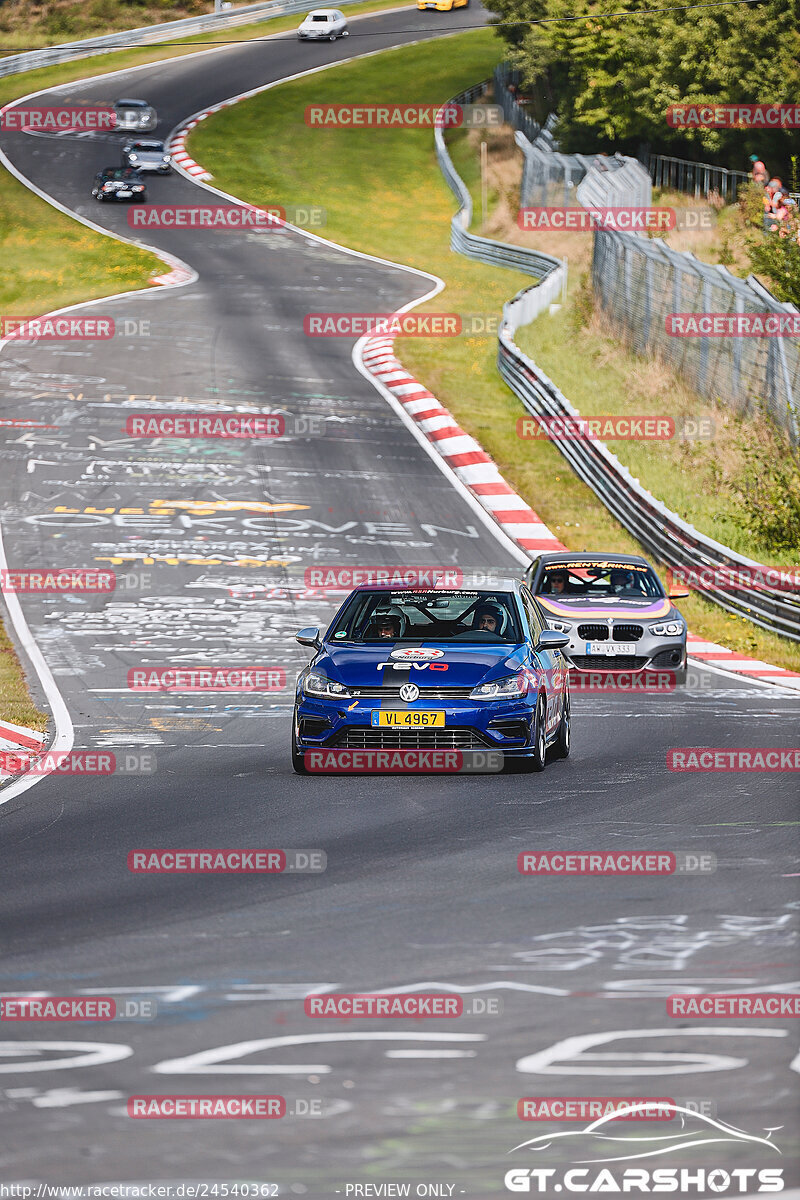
x: 441, y: 5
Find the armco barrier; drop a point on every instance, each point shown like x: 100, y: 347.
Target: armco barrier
x: 485, y: 250
x: 169, y: 31
x: 668, y: 538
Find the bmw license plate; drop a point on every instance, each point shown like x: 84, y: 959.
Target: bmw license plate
x: 411, y: 717
x: 124, y: 192
x: 610, y: 648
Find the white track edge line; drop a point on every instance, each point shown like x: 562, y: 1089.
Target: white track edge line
x: 64, y: 732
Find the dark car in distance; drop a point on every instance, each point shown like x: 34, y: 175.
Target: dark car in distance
x: 119, y: 183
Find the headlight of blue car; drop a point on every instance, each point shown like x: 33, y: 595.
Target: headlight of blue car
x: 501, y: 689
x: 667, y: 628
x: 318, y: 685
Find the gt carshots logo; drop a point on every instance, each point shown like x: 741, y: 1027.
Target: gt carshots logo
x: 640, y: 1179
x: 591, y: 1146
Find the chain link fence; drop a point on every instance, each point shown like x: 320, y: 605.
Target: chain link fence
x: 639, y: 281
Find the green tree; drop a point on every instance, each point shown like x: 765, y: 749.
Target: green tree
x: 611, y: 79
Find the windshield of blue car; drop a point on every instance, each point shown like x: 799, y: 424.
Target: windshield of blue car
x: 603, y: 580
x: 147, y: 148
x: 431, y: 616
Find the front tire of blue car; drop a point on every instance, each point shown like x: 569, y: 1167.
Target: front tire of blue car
x: 539, y: 760
x: 562, y: 744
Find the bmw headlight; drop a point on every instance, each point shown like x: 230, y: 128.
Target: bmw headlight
x: 559, y: 626
x: 501, y: 689
x: 318, y: 685
x: 133, y: 157
x: 668, y: 628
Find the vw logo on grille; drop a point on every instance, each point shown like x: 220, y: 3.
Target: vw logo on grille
x: 409, y: 692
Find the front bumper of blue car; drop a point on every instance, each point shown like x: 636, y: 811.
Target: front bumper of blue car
x: 350, y: 723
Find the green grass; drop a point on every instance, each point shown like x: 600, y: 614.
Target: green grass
x: 384, y: 194
x: 15, y: 703
x: 691, y: 477
x: 50, y: 261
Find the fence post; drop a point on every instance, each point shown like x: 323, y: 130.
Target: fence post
x: 704, y: 340
x: 648, y: 289
x: 790, y: 404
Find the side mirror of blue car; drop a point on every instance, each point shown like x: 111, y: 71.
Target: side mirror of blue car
x: 551, y: 639
x: 309, y: 637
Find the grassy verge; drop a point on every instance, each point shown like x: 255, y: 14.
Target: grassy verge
x: 384, y: 194
x: 50, y: 261
x: 25, y: 25
x: 16, y: 705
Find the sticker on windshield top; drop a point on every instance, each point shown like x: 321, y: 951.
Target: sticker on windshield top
x: 416, y: 654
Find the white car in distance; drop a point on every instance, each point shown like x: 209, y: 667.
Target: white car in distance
x: 323, y: 24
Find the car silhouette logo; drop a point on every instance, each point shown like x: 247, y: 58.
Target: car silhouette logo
x: 409, y: 692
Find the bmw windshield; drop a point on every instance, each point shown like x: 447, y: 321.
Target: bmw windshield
x: 602, y: 580
x: 405, y: 616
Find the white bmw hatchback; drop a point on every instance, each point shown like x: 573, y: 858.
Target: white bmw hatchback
x: 323, y: 23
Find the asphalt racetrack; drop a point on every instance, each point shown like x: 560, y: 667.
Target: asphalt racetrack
x: 421, y: 890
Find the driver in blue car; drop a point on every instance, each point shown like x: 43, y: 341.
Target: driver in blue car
x: 389, y: 625
x: 489, y: 618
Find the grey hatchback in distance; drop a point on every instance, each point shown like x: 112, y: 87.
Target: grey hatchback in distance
x: 147, y: 156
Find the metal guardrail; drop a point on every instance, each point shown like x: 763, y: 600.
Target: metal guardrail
x: 486, y: 250
x: 48, y: 56
x: 669, y: 539
x: 615, y: 181
x: 683, y: 175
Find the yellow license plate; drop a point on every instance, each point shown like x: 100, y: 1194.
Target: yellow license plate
x: 416, y: 718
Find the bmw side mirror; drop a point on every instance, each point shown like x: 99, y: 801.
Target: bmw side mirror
x: 309, y: 637
x: 551, y: 639
x: 678, y: 595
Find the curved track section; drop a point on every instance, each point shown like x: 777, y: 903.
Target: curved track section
x: 421, y: 889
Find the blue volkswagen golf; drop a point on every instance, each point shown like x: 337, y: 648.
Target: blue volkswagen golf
x: 436, y: 669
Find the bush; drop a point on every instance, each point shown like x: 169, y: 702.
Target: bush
x: 751, y: 203
x: 769, y: 490
x: 777, y: 255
